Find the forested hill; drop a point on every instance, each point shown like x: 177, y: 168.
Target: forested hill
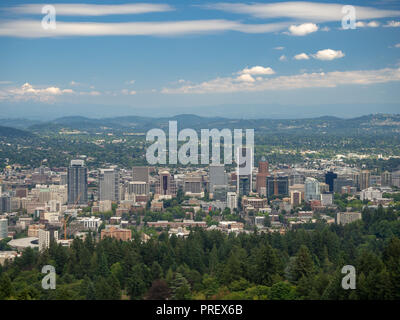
x: 370, y: 124
x: 8, y: 132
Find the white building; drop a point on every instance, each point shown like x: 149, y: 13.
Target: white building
x: 370, y: 194
x: 312, y: 189
x: 91, y: 223
x: 326, y: 199
x: 45, y: 238
x: 231, y: 200
x: 3, y: 228
x: 347, y: 217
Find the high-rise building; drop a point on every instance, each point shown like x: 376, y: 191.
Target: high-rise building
x: 244, y: 171
x: 3, y: 228
x: 46, y: 236
x: 339, y: 183
x: 312, y: 189
x: 365, y: 179
x: 138, y: 188
x: 386, y: 179
x: 220, y: 193
x: 396, y: 179
x: 141, y: 173
x: 192, y: 184
x: 63, y: 178
x: 295, y: 198
x: 261, y: 177
x: 277, y: 185
x: 166, y: 184
x: 109, y: 184
x: 77, y: 183
x: 217, y: 176
x: 5, y: 203
x: 231, y: 200
x: 330, y: 179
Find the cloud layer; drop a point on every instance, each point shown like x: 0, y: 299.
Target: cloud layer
x: 290, y: 82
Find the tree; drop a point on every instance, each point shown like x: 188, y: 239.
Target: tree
x: 6, y: 288
x: 303, y: 264
x: 180, y: 288
x: 159, y: 290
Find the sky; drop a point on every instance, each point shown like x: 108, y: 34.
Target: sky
x: 234, y: 58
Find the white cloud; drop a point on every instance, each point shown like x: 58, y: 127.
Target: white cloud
x: 302, y: 10
x: 33, y: 28
x: 79, y: 9
x: 392, y: 24
x: 328, y: 54
x: 282, y: 58
x: 397, y: 45
x: 279, y: 48
x: 373, y: 24
x: 303, y: 29
x: 29, y: 92
x: 128, y: 92
x: 360, y: 24
x: 290, y: 82
x: 301, y: 56
x: 130, y: 82
x: 258, y: 70
x: 245, y: 77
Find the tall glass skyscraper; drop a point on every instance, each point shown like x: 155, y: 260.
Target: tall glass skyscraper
x: 77, y: 182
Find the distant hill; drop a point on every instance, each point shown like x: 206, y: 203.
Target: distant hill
x: 371, y: 124
x: 8, y: 132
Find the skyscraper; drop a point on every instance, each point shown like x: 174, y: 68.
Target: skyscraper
x: 261, y: 178
x: 77, y: 182
x: 312, y: 189
x: 3, y: 228
x: 166, y: 184
x: 109, y: 184
x: 244, y: 171
x: 330, y: 179
x: 217, y: 176
x: 277, y: 185
x: 365, y: 179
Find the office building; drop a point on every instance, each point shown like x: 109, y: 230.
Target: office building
x: 244, y: 171
x: 277, y: 186
x: 295, y: 197
x: 138, y: 188
x: 231, y: 200
x: 77, y: 183
x: 312, y: 189
x: 46, y: 236
x: 166, y: 184
x: 329, y: 179
x: 217, y: 176
x: 339, y: 183
x: 386, y: 179
x: 5, y: 204
x: 347, y: 217
x: 365, y: 177
x: 109, y: 184
x: 141, y: 174
x: 3, y: 228
x: 261, y: 177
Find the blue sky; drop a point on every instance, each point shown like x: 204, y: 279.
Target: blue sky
x: 117, y: 58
